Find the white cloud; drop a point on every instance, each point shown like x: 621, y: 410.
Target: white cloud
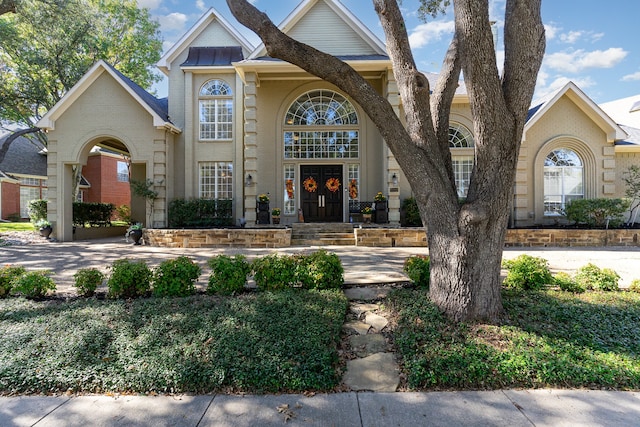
x: 201, y: 5
x: 149, y: 4
x: 424, y: 34
x: 173, y: 22
x: 579, y: 60
x: 571, y: 37
x: 544, y: 91
x: 632, y: 77
x: 551, y: 31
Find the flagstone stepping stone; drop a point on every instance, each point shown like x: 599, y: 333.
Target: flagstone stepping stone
x: 359, y: 308
x: 368, y: 293
x: 366, y: 345
x: 359, y: 327
x: 378, y: 322
x: 378, y: 372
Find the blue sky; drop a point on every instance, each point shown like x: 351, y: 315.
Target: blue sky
x: 591, y: 43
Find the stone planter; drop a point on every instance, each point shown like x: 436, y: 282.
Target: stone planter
x: 366, y: 218
x: 136, y: 236
x: 275, y: 219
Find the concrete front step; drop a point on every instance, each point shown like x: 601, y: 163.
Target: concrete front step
x: 319, y: 234
x: 323, y: 242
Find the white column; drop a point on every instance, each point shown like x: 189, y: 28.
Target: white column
x: 250, y: 147
x: 392, y: 166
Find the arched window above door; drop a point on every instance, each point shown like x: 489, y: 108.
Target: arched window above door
x: 321, y: 108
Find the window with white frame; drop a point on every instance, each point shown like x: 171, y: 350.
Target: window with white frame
x: 216, y: 180
x: 216, y: 111
x: 289, y: 189
x: 462, y: 156
x: 123, y: 171
x: 321, y: 124
x: 563, y: 180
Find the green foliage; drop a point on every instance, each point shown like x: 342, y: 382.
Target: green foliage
x: 256, y: 343
x: 548, y: 339
x: 37, y: 210
x: 94, y: 214
x: 274, y: 272
x: 87, y: 280
x: 123, y: 213
x: 527, y: 272
x: 8, y: 276
x: 319, y: 270
x: 129, y: 279
x: 411, y: 213
x: 635, y: 286
x: 567, y: 283
x: 596, y: 212
x: 417, y: 267
x: 34, y: 284
x: 592, y: 277
x: 45, y: 52
x: 176, y: 277
x: 228, y: 274
x: 198, y: 213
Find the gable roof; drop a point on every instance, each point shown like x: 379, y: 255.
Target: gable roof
x: 157, y: 108
x: 183, y: 43
x: 289, y: 23
x: 613, y: 131
x: 625, y: 111
x: 24, y: 157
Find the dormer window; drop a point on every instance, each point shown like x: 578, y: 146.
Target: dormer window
x: 216, y: 111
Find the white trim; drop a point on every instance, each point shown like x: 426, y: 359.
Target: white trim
x: 590, y: 108
x: 350, y: 19
x: 209, y: 16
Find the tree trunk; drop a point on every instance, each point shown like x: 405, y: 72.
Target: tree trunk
x: 7, y: 6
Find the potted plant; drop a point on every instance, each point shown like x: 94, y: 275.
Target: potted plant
x: 367, y: 211
x: 381, y: 208
x: 135, y: 232
x: 275, y: 215
x: 44, y: 227
x: 263, y: 208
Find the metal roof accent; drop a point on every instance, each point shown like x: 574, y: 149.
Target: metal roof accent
x: 213, y: 56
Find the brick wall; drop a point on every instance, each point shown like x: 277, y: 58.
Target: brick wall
x: 10, y: 199
x: 102, y: 173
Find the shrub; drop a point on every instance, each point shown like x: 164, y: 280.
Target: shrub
x: 319, y: 270
x: 196, y: 213
x: 417, y: 267
x: 527, y: 272
x: 95, y: 214
x: 123, y: 213
x: 176, y: 277
x: 275, y: 272
x: 34, y: 284
x: 37, y: 210
x: 568, y: 284
x: 228, y: 274
x: 129, y: 279
x: 593, y: 277
x: 596, y: 212
x: 411, y: 213
x: 635, y: 286
x: 87, y: 281
x: 8, y: 276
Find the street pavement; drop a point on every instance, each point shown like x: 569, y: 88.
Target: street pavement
x: 543, y: 407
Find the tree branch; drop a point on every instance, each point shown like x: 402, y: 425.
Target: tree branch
x: 7, y: 142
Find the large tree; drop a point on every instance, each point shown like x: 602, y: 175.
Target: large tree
x: 465, y: 238
x: 47, y: 45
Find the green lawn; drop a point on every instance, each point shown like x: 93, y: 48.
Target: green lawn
x: 16, y: 226
x: 264, y: 342
x: 550, y: 339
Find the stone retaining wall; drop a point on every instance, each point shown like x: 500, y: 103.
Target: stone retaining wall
x: 219, y: 238
x: 391, y: 237
x: 568, y: 238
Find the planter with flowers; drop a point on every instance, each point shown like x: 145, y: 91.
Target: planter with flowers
x: 367, y: 212
x: 135, y: 233
x: 381, y: 208
x: 263, y: 209
x: 275, y: 215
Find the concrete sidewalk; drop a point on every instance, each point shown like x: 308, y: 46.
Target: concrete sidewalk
x: 469, y: 408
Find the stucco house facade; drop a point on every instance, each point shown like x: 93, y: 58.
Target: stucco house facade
x: 238, y: 124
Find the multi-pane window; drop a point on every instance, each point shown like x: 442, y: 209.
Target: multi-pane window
x: 289, y: 189
x: 216, y: 111
x: 462, y: 156
x: 30, y: 189
x: 563, y: 180
x: 216, y: 180
x: 123, y: 172
x: 321, y: 124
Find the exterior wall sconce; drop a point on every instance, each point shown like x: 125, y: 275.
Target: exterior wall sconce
x: 394, y: 179
x: 248, y: 181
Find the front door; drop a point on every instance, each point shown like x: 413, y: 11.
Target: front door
x: 322, y: 193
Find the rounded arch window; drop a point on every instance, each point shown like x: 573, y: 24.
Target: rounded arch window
x: 460, y: 136
x: 321, y: 124
x: 215, y: 110
x: 563, y: 180
x: 462, y: 162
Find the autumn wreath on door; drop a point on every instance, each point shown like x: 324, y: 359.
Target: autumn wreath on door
x: 310, y: 185
x: 332, y: 184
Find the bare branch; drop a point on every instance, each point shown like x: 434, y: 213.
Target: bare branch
x: 7, y: 142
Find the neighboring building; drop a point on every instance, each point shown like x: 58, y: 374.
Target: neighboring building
x: 238, y: 123
x: 106, y: 179
x: 23, y: 177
